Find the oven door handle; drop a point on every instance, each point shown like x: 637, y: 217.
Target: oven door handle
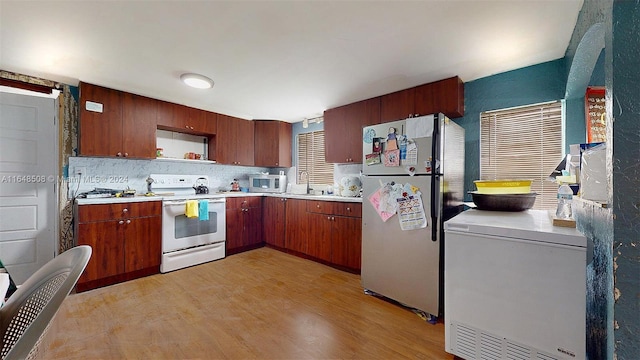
x: 172, y: 203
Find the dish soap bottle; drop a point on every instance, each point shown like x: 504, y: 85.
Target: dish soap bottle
x: 565, y: 196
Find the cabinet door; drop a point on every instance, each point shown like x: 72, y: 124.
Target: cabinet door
x: 226, y: 134
x: 296, y: 225
x: 106, y: 239
x: 169, y: 116
x: 100, y: 131
x: 337, y: 149
x: 210, y: 123
x: 252, y: 226
x: 244, y: 142
x: 445, y: 96
x: 235, y: 224
x: 139, y: 116
x: 346, y: 246
x: 273, y: 215
x: 191, y: 119
x: 320, y: 236
x: 143, y: 243
x: 272, y: 143
x: 396, y: 106
x: 343, y: 130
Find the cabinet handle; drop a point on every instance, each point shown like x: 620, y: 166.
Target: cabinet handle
x: 318, y: 206
x: 121, y: 222
x: 329, y: 218
x: 348, y: 209
x: 126, y: 154
x: 125, y: 210
x: 128, y: 221
x: 276, y: 164
x: 333, y: 218
x: 119, y: 154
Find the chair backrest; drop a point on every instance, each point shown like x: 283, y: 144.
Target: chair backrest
x: 26, y: 315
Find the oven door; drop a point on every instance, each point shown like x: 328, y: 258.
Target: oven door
x: 181, y: 232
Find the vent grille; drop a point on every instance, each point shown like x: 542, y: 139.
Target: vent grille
x: 474, y: 344
x: 490, y: 347
x: 517, y: 352
x: 466, y: 342
x: 541, y: 356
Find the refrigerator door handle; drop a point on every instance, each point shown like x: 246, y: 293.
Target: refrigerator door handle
x: 434, y: 217
x: 434, y: 158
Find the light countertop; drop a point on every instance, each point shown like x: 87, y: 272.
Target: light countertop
x: 160, y: 197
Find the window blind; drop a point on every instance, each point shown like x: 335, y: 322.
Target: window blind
x: 311, y: 159
x: 523, y: 143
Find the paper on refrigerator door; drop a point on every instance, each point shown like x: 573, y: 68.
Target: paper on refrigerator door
x: 379, y: 202
x: 419, y: 127
x: 411, y: 212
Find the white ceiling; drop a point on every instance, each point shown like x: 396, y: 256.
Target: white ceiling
x: 278, y: 59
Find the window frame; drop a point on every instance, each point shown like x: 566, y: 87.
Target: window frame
x: 536, y: 147
x: 320, y: 172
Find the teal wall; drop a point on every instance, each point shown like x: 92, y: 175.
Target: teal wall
x: 624, y: 81
x: 534, y: 84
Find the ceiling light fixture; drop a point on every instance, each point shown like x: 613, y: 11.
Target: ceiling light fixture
x: 197, y: 81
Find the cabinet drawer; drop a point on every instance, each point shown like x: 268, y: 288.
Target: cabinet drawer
x: 102, y: 212
x: 335, y: 208
x: 320, y: 206
x: 347, y: 209
x: 244, y: 202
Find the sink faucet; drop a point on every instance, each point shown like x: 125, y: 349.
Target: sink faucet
x: 306, y: 173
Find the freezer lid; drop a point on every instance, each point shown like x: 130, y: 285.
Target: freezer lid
x: 534, y: 225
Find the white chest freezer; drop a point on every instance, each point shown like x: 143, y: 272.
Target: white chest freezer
x: 515, y: 287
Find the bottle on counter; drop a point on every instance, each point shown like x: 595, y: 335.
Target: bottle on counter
x: 565, y: 197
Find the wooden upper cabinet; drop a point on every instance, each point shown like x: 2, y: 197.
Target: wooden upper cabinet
x: 272, y: 143
x: 398, y: 105
x: 245, y: 142
x: 234, y: 141
x: 445, y: 96
x: 168, y: 116
x: 343, y: 130
x: 210, y: 125
x: 185, y: 119
x: 100, y: 127
x: 139, y: 115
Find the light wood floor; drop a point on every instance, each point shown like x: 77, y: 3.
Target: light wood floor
x: 261, y: 304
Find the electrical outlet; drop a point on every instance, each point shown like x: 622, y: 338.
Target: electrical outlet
x: 81, y: 171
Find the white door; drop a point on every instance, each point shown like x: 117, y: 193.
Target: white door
x: 28, y: 181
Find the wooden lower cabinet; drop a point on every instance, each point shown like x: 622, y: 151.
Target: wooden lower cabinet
x: 327, y: 231
x: 126, y: 239
x: 346, y: 245
x: 320, y: 228
x: 273, y: 223
x: 296, y: 233
x: 335, y: 230
x: 244, y: 223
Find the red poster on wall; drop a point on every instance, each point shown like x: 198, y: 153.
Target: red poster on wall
x: 595, y: 114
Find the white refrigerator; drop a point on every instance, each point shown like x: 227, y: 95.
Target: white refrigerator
x: 399, y: 262
x: 515, y: 287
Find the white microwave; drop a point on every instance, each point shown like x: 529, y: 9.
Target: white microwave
x: 267, y: 183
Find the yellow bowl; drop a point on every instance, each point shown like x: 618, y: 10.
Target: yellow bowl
x: 503, y: 186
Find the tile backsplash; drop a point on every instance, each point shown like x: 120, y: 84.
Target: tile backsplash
x: 114, y: 173
x: 120, y: 174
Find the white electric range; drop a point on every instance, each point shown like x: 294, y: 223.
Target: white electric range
x: 189, y: 240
